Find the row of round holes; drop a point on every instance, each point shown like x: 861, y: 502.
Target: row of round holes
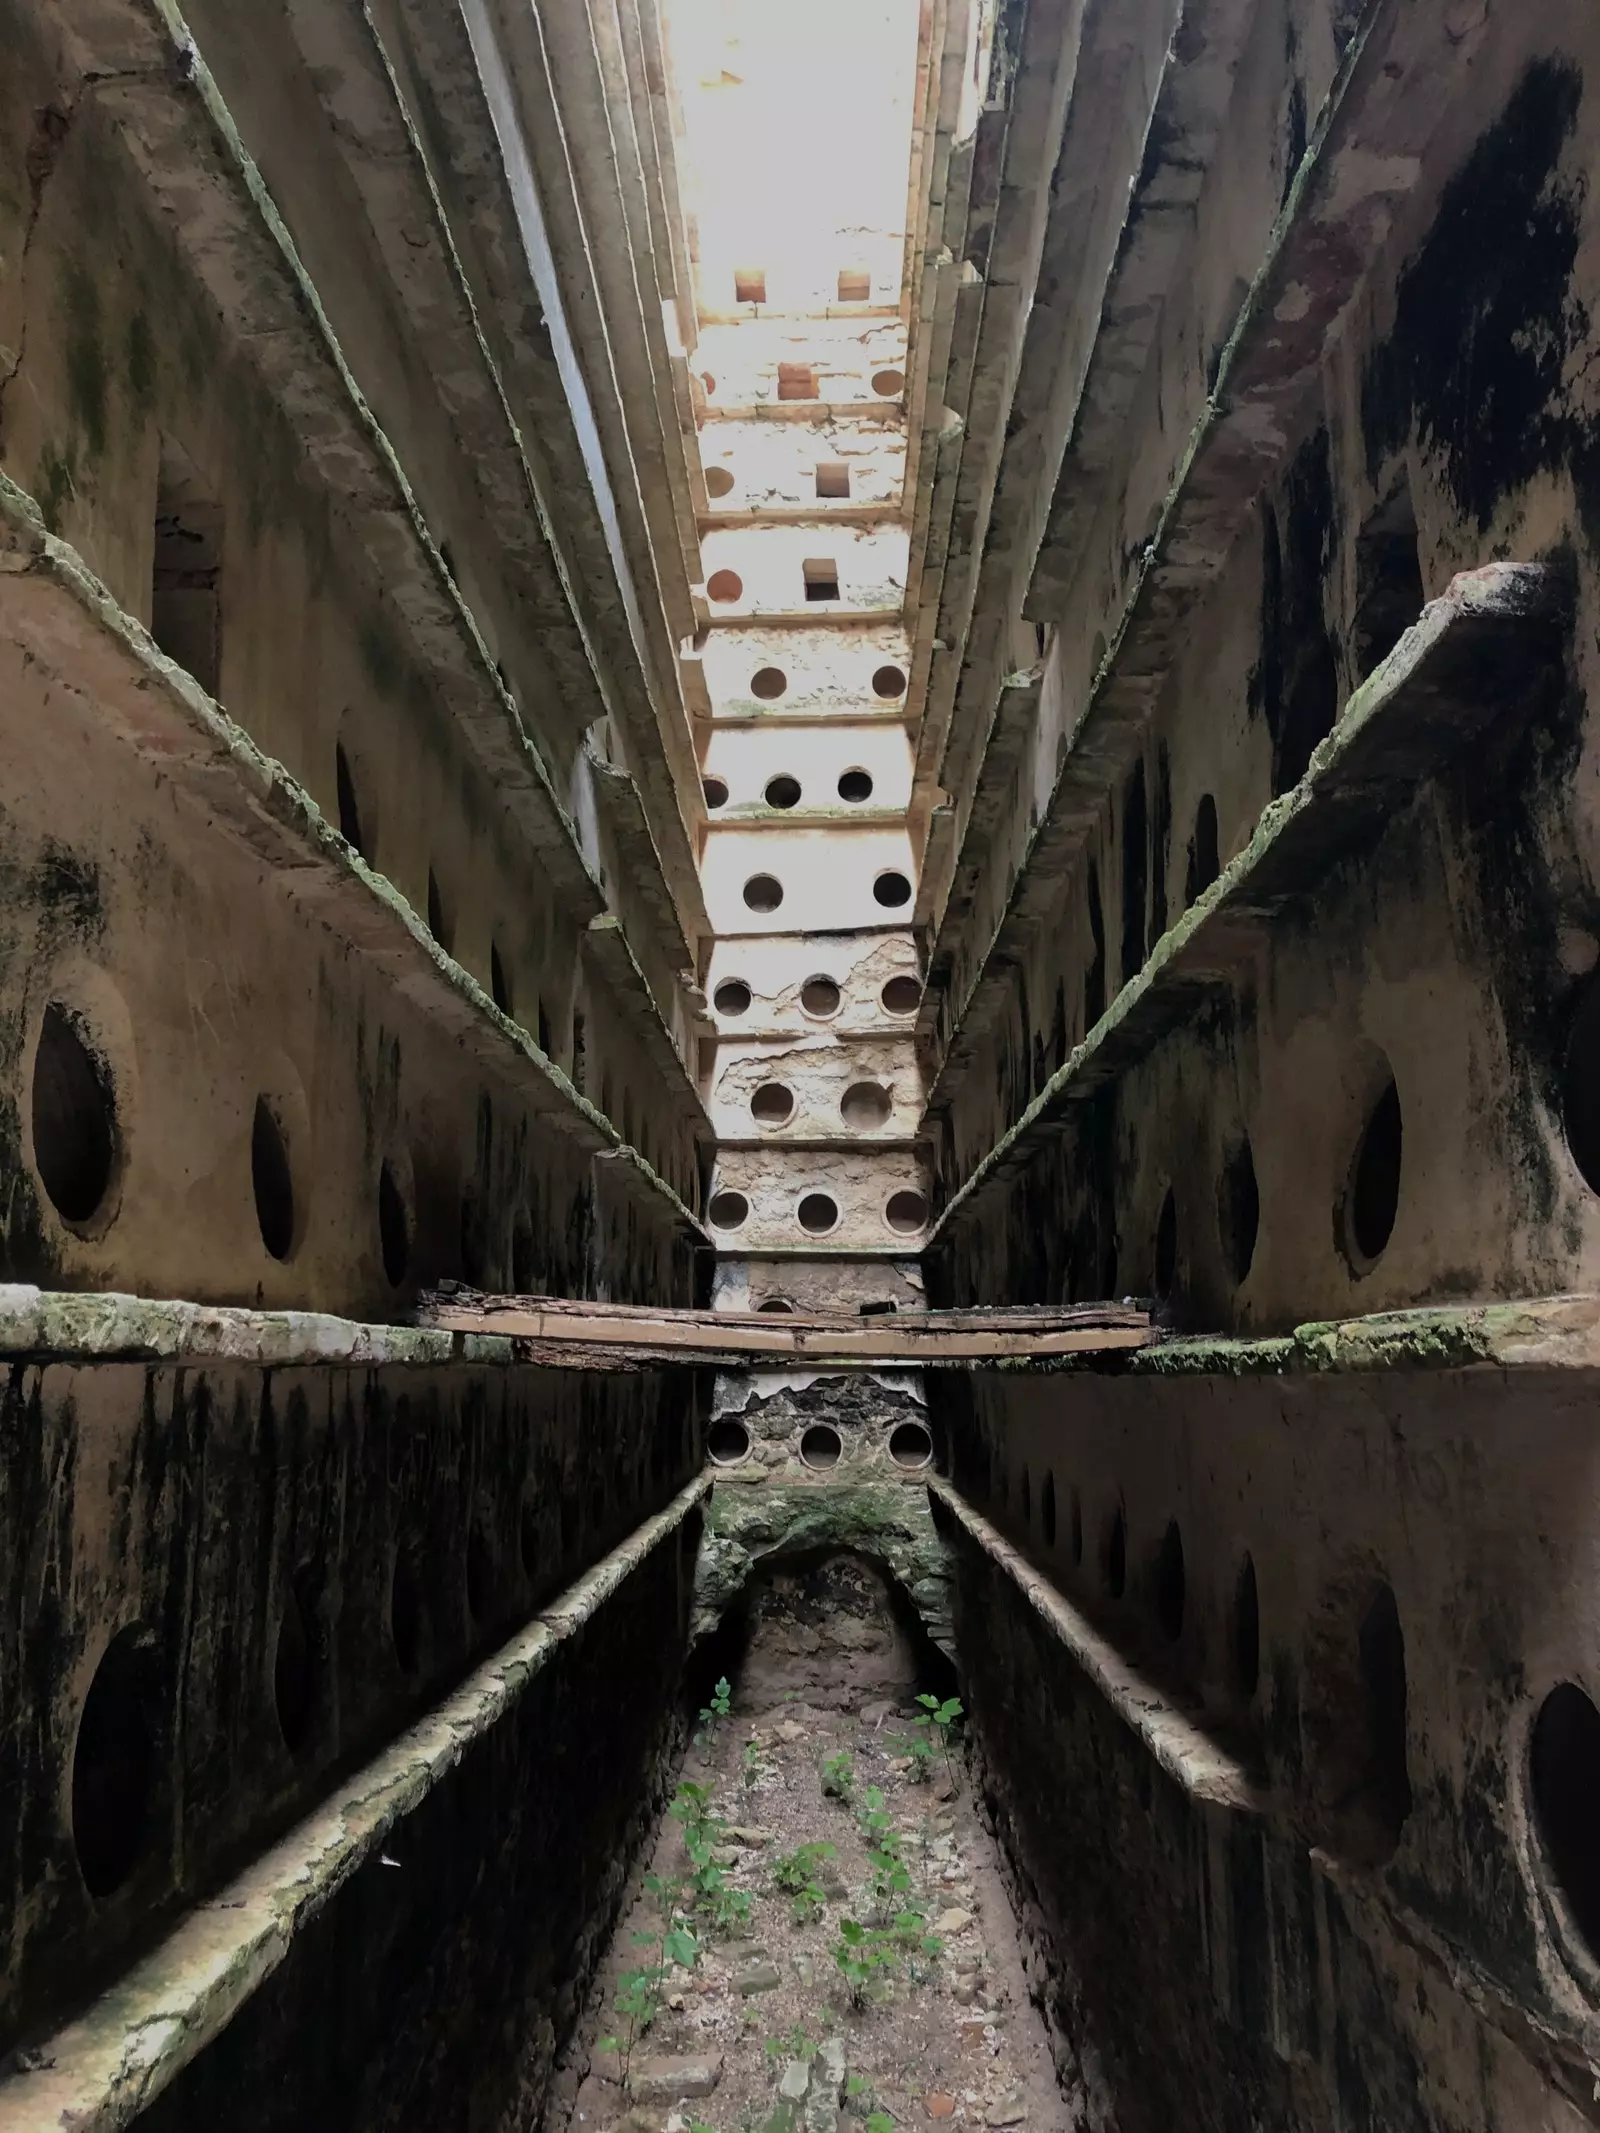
x: 77, y: 1140
x: 864, y: 1106
x: 909, y: 1444
x: 887, y: 384
x: 820, y: 997
x: 891, y: 890
x: 1386, y: 1787
x: 905, y: 1212
x: 1563, y: 1743
x: 783, y: 791
x: 769, y: 683
x: 77, y: 1151
x: 114, y: 1758
x: 1367, y: 1208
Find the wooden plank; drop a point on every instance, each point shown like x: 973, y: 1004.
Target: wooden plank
x: 556, y: 1326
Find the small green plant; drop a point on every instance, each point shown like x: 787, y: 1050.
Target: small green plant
x: 839, y: 1776
x: 718, y: 1708
x: 937, y: 1721
x: 880, y: 2122
x: 637, y: 1999
x: 863, y: 1955
x: 710, y: 1891
x: 891, y: 1878
x: 918, y: 1751
x: 750, y: 1763
x: 796, y: 2043
x: 796, y: 1874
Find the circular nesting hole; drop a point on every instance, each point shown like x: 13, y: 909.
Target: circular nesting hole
x: 902, y: 996
x: 772, y: 1104
x: 1373, y: 1198
x: 74, y: 1118
x: 715, y: 790
x: 719, y: 480
x: 394, y: 1227
x: 886, y: 383
x: 768, y: 683
x: 821, y: 1446
x: 782, y: 791
x: 1238, y: 1210
x: 910, y: 1444
x: 271, y: 1181
x: 905, y: 1212
x: 728, y: 1210
x: 865, y: 1104
x: 891, y: 889
x: 1563, y: 1777
x: 817, y: 1213
x: 763, y: 892
x: 855, y: 785
x: 889, y: 682
x: 776, y: 1306
x: 820, y: 996
x: 724, y: 585
x: 732, y: 997
x: 114, y: 1763
x: 727, y: 1442
x: 1170, y: 1582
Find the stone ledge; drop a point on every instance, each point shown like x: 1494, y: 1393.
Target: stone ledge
x: 1535, y: 1333
x: 62, y: 615
x: 1490, y: 645
x: 1189, y: 1755
x: 100, y: 2071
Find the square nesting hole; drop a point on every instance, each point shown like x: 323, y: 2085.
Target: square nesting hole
x: 822, y: 578
x: 833, y: 480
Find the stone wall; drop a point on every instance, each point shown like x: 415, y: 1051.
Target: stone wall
x: 228, y: 1585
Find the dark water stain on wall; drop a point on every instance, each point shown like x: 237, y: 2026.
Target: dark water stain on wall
x: 1295, y: 682
x: 1486, y: 316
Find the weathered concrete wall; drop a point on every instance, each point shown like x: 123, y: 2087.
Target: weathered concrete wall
x: 442, y: 1987
x: 1351, y: 1594
x: 1458, y: 951
x: 363, y: 637
x: 286, y: 1566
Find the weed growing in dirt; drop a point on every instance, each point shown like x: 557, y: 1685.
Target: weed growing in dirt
x: 937, y: 1722
x: 839, y: 1776
x: 718, y: 1708
x: 750, y: 1763
x: 891, y: 1877
x: 863, y: 1956
x: 637, y: 1999
x: 796, y: 2043
x: 710, y: 1891
x: 796, y: 1874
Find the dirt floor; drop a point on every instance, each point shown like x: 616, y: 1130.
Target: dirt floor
x: 763, y: 2031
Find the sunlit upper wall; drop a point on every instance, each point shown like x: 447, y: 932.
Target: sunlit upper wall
x: 797, y: 149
